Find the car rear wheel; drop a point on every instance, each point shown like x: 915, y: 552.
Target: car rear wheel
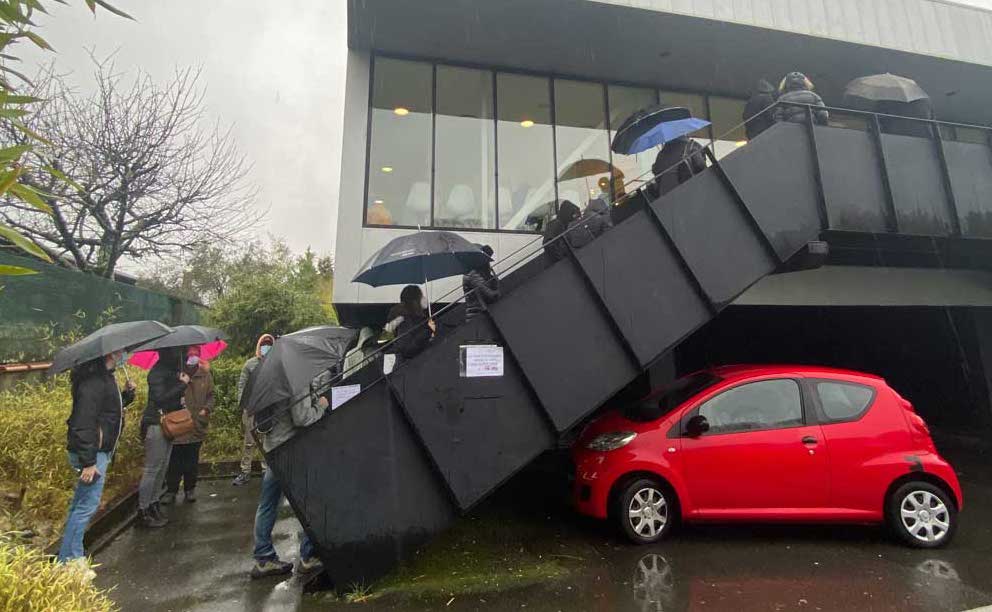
x: 645, y: 510
x: 922, y: 515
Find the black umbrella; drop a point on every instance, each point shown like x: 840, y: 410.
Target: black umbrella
x: 293, y: 362
x: 106, y: 340
x: 883, y: 88
x: 184, y: 335
x: 421, y: 257
x: 654, y: 126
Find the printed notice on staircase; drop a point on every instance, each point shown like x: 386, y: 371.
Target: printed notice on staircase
x: 340, y: 395
x: 481, y: 360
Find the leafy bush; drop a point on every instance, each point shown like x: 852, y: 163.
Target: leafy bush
x: 30, y: 581
x: 35, y: 478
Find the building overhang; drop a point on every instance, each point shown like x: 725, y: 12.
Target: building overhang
x: 614, y: 43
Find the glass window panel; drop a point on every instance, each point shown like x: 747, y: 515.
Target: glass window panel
x: 843, y: 401
x: 972, y: 135
x: 769, y: 404
x: 582, y: 141
x: 624, y: 102
x: 525, y: 171
x: 727, y: 115
x: 400, y: 150
x: 465, y: 161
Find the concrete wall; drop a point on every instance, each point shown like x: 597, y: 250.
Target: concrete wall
x: 929, y: 27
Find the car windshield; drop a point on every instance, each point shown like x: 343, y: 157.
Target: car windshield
x: 669, y: 398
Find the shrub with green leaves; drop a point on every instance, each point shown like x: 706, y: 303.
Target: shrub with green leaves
x: 29, y: 581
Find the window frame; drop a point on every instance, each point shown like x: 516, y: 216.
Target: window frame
x: 821, y: 414
x: 494, y: 70
x: 803, y: 403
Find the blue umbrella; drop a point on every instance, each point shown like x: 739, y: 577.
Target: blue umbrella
x: 654, y: 126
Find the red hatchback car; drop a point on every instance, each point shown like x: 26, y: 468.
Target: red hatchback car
x: 768, y: 444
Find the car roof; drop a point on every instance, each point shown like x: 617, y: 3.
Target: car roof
x: 742, y: 371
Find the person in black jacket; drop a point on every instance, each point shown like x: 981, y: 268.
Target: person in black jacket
x: 557, y: 249
x: 409, y: 322
x: 757, y: 117
x: 677, y: 162
x: 94, y: 426
x: 480, y: 286
x: 796, y: 88
x: 166, y: 386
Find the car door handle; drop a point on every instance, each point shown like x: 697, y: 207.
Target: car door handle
x: 809, y: 440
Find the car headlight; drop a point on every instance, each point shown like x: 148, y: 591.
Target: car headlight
x: 611, y: 441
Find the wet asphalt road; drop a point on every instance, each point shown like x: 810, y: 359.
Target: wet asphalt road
x: 200, y: 562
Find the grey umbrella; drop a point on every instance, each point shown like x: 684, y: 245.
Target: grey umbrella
x: 884, y: 88
x: 106, y: 340
x: 421, y: 257
x: 295, y: 359
x: 184, y: 335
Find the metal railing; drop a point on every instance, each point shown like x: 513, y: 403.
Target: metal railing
x: 874, y: 125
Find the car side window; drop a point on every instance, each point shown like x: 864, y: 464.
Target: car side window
x: 766, y: 404
x: 843, y: 401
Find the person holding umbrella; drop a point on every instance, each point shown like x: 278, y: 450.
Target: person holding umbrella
x: 96, y: 421
x: 413, y: 327
x: 184, y: 464
x: 677, y: 162
x: 94, y: 428
x: 167, y: 384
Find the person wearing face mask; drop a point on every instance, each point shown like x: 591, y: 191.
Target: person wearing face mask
x: 94, y: 427
x: 184, y: 464
x: 167, y: 384
x: 262, y: 347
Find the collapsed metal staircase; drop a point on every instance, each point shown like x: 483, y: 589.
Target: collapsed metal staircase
x: 395, y: 465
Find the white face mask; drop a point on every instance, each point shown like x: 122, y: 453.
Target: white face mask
x: 264, y: 349
x: 193, y: 360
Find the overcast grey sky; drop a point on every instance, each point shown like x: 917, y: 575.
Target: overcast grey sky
x: 273, y: 70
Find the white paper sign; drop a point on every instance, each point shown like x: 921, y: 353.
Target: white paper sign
x: 483, y: 360
x: 340, y: 395
x: 388, y: 363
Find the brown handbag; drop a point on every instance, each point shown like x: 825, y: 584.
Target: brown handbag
x: 177, y: 424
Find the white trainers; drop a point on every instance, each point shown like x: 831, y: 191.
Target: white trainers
x: 82, y: 568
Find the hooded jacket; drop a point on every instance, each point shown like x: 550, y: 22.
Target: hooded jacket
x: 97, y: 416
x: 480, y: 287
x: 677, y: 162
x: 252, y: 363
x: 592, y: 224
x: 303, y: 413
x: 567, y: 213
x: 165, y: 390
x: 796, y: 88
x: 757, y: 121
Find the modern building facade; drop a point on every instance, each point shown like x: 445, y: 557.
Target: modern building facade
x: 465, y: 115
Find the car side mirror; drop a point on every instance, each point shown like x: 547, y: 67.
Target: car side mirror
x: 697, y: 426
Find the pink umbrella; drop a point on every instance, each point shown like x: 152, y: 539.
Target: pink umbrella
x: 147, y: 359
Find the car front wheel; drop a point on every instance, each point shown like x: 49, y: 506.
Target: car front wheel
x: 645, y: 510
x: 922, y: 515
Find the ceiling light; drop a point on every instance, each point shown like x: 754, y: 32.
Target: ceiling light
x: 387, y: 169
x: 377, y: 202
x: 740, y: 143
x: 526, y: 123
x: 401, y: 111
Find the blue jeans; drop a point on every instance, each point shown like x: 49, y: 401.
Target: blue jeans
x: 265, y: 520
x: 85, y: 501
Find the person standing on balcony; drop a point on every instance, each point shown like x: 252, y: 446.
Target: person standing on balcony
x: 262, y: 347
x: 166, y: 386
x: 94, y: 427
x: 795, y: 88
x: 757, y: 115
x: 184, y: 464
x: 480, y: 287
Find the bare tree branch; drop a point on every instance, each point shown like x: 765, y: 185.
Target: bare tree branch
x: 153, y: 178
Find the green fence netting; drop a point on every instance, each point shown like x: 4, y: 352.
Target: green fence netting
x: 40, y: 312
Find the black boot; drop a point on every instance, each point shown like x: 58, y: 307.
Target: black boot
x: 147, y: 519
x: 156, y: 511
